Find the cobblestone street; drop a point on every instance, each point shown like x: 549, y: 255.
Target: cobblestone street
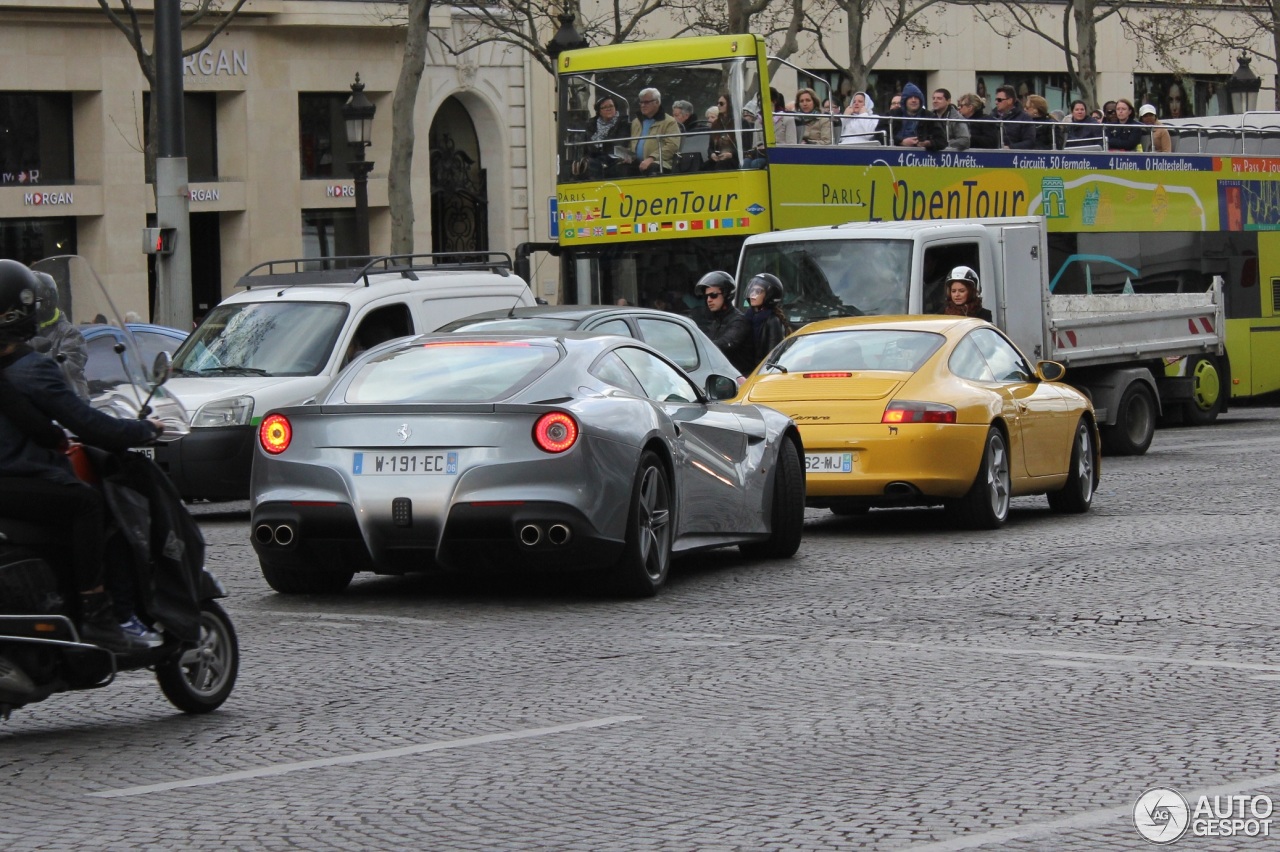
x: 899, y: 684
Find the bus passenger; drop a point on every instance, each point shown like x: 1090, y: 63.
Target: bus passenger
x: 607, y: 125
x: 860, y: 127
x: 815, y: 128
x: 656, y: 134
x: 784, y: 131
x: 722, y: 150
x: 1126, y: 133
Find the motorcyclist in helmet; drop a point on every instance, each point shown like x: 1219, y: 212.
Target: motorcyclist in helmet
x: 727, y: 326
x: 768, y: 322
x: 964, y: 294
x: 37, y: 483
x: 67, y: 345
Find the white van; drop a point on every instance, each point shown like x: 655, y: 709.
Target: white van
x: 292, y: 328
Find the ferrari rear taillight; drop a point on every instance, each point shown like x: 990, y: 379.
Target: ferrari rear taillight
x: 275, y: 433
x: 555, y: 432
x: 901, y: 411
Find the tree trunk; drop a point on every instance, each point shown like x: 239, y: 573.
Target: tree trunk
x: 1086, y: 50
x: 858, y: 70
x: 400, y: 172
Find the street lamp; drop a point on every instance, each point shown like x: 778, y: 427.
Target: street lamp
x: 358, y: 112
x: 566, y: 38
x: 1243, y: 86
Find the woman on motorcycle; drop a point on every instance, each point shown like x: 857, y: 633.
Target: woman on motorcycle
x: 37, y: 482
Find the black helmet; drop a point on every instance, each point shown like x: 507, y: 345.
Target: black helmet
x: 18, y: 287
x: 968, y: 276
x: 46, y: 297
x: 772, y: 287
x: 723, y: 280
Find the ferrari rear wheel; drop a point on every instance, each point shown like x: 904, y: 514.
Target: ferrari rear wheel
x: 642, y: 570
x: 293, y: 578
x: 986, y: 506
x: 1077, y: 495
x: 786, y: 520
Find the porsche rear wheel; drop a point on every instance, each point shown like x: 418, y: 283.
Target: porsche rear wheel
x: 300, y: 578
x: 646, y: 558
x: 786, y: 520
x: 1077, y: 495
x: 1135, y: 422
x: 986, y: 506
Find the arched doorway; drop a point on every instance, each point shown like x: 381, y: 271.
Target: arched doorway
x: 459, y: 190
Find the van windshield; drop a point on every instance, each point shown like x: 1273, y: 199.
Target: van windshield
x: 835, y: 278
x: 262, y: 339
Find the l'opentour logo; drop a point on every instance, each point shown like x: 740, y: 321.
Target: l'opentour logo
x: 1162, y: 816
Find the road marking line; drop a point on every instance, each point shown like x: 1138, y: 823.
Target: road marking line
x: 1089, y: 819
x: 1083, y: 655
x: 362, y: 757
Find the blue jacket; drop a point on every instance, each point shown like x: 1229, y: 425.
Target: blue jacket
x: 40, y: 380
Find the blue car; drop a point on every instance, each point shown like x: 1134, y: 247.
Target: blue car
x: 104, y: 367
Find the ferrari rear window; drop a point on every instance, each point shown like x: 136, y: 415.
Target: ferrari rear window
x: 859, y: 350
x: 466, y: 371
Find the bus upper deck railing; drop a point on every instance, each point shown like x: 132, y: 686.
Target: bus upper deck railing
x: 1254, y: 134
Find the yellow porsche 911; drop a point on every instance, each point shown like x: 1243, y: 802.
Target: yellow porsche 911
x: 898, y: 411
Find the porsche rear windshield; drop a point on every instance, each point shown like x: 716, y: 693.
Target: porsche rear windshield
x: 835, y: 278
x: 858, y: 350
x: 479, y: 371
x: 262, y: 339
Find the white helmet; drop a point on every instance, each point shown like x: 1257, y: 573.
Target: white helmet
x: 968, y: 276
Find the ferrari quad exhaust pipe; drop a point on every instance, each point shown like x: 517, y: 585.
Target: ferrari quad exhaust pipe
x: 559, y: 534
x: 530, y: 534
x: 281, y: 535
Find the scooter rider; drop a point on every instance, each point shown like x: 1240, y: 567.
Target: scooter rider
x: 38, y: 484
x: 728, y: 327
x: 68, y: 347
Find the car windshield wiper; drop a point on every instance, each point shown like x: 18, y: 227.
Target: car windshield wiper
x: 236, y: 371
x: 774, y: 365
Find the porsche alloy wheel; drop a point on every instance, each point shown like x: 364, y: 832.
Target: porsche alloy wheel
x: 1076, y: 495
x: 198, y: 678
x: 644, y: 564
x: 986, y: 506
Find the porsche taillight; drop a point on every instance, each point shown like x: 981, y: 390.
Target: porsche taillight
x: 555, y: 432
x: 275, y: 433
x: 828, y: 374
x: 901, y: 411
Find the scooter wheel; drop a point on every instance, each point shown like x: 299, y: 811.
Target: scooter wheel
x: 200, y: 677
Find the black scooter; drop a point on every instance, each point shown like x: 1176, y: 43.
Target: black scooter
x: 157, y: 552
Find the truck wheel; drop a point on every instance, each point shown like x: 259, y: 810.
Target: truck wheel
x: 986, y: 506
x: 1135, y: 422
x: 1076, y: 495
x: 291, y: 578
x: 1206, y: 391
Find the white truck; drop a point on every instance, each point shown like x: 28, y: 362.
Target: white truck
x: 1135, y: 354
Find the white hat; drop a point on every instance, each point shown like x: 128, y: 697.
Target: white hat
x: 1146, y: 109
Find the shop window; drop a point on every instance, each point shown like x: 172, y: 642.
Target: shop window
x: 1054, y: 88
x: 35, y: 139
x: 29, y: 240
x: 329, y: 232
x: 322, y: 135
x: 200, y: 129
x: 1183, y: 97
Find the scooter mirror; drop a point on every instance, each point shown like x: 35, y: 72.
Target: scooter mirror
x: 161, y: 368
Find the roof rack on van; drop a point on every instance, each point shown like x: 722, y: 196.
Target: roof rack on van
x: 351, y: 269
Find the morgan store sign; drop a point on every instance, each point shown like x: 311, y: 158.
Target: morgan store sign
x: 40, y: 199
x: 25, y: 176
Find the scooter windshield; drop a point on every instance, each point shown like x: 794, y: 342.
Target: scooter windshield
x: 130, y: 386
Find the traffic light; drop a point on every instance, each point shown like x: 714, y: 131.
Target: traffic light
x: 159, y: 240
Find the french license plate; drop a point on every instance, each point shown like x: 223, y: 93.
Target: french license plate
x: 372, y: 464
x: 828, y: 463
x: 149, y: 452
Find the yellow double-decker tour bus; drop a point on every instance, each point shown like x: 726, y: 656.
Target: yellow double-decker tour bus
x: 645, y: 207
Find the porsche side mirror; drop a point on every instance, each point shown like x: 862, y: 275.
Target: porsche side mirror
x: 721, y: 387
x: 1050, y: 371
